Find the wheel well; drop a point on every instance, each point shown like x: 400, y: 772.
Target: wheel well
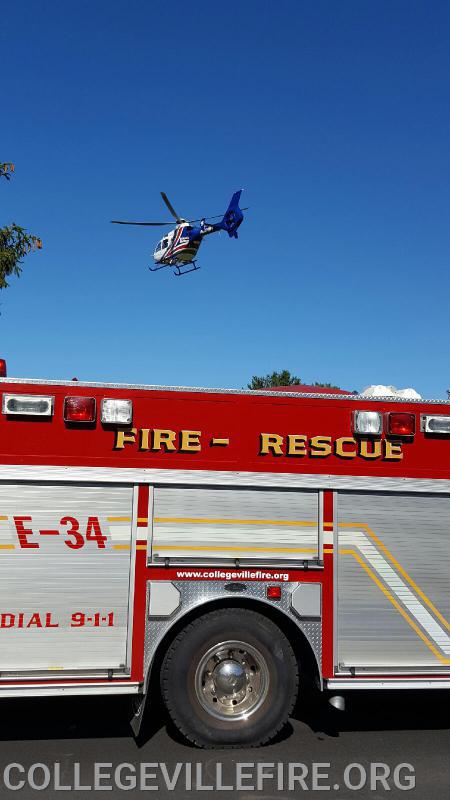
x: 303, y: 651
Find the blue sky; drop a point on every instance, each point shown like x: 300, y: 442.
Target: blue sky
x: 334, y: 117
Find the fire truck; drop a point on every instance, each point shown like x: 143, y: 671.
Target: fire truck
x: 221, y: 549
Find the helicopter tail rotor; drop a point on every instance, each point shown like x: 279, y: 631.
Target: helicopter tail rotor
x: 233, y: 216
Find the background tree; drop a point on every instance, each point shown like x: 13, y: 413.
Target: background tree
x: 6, y: 169
x: 15, y: 242
x: 282, y: 378
x: 326, y: 385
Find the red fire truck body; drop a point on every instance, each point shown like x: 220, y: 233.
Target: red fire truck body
x: 220, y: 547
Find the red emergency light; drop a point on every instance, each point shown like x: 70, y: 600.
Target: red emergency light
x: 79, y: 409
x: 401, y: 423
x: 273, y: 592
x: 2, y: 368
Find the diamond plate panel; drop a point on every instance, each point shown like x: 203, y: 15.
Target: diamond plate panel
x: 195, y: 594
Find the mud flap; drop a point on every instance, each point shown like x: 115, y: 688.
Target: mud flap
x: 138, y: 706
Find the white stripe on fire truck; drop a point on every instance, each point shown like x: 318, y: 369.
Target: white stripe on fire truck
x: 397, y: 586
x: 120, y: 533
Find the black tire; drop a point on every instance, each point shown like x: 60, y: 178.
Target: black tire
x: 181, y: 684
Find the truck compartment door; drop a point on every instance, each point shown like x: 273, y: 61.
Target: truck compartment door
x: 225, y: 524
x: 65, y: 558
x: 393, y: 592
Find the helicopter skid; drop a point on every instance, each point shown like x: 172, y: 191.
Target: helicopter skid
x: 180, y: 268
x: 156, y: 269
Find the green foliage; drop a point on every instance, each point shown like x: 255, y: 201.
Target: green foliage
x: 15, y: 242
x: 283, y: 378
x: 326, y: 385
x: 6, y: 168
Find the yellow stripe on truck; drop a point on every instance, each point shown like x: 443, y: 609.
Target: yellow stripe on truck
x: 227, y: 521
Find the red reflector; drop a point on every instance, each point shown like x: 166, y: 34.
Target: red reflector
x: 79, y: 409
x: 274, y: 592
x: 2, y: 368
x: 401, y: 424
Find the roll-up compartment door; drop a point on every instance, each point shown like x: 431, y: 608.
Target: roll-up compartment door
x: 65, y: 556
x: 393, y: 589
x: 228, y: 524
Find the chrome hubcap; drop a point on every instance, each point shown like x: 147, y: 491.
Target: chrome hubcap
x: 232, y: 680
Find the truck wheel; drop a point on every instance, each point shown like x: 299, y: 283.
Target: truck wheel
x: 230, y: 678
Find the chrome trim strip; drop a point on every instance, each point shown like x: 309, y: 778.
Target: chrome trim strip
x: 46, y: 690
x: 288, y: 480
x: 335, y: 580
x: 150, y: 524
x: 134, y: 529
x: 207, y: 390
x: 320, y: 528
x: 354, y: 683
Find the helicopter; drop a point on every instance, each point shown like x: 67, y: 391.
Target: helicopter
x: 179, y: 247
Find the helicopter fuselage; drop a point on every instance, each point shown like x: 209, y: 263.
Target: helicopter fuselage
x: 180, y: 245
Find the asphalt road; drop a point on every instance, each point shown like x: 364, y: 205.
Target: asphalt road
x: 388, y: 728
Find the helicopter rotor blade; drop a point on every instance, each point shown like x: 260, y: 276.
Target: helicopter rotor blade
x: 170, y: 207
x: 172, y: 211
x: 153, y: 224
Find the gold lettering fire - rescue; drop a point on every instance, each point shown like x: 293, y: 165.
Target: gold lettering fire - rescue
x: 293, y: 445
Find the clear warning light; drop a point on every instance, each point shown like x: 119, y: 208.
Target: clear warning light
x: 435, y: 424
x: 35, y: 405
x: 367, y: 422
x: 117, y: 412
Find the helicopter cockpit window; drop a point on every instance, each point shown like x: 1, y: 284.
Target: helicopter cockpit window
x: 165, y: 242
x: 158, y: 247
